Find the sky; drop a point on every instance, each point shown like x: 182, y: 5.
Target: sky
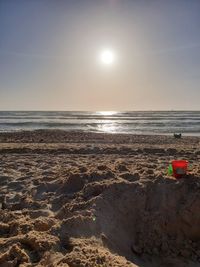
x: 50, y: 54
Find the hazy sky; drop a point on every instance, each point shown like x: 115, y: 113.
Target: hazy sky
x: 50, y: 50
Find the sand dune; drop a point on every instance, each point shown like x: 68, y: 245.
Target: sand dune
x: 72, y: 199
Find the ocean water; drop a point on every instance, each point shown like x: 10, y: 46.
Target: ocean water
x: 135, y: 122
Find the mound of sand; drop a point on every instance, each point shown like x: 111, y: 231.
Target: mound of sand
x: 158, y: 218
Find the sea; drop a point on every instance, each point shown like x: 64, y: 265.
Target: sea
x: 131, y: 122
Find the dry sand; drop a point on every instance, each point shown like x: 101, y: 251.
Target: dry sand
x: 87, y: 200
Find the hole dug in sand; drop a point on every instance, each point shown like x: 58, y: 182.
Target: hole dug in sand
x: 159, y: 219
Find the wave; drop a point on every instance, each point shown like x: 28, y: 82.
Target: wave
x: 122, y: 122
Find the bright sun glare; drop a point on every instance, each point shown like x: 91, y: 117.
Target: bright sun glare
x: 107, y: 113
x: 107, y: 57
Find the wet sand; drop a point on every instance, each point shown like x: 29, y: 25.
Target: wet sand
x: 85, y: 199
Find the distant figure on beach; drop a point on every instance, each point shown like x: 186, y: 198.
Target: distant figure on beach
x: 177, y: 135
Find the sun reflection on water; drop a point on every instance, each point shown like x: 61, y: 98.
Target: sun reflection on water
x: 108, y: 128
x: 106, y: 113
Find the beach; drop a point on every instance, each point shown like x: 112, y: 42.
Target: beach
x: 97, y: 199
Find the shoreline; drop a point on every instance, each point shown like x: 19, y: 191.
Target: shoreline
x: 55, y: 135
x: 184, y: 134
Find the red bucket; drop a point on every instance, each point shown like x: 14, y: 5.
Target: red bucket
x: 180, y: 168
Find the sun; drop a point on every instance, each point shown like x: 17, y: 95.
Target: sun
x: 107, y: 57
